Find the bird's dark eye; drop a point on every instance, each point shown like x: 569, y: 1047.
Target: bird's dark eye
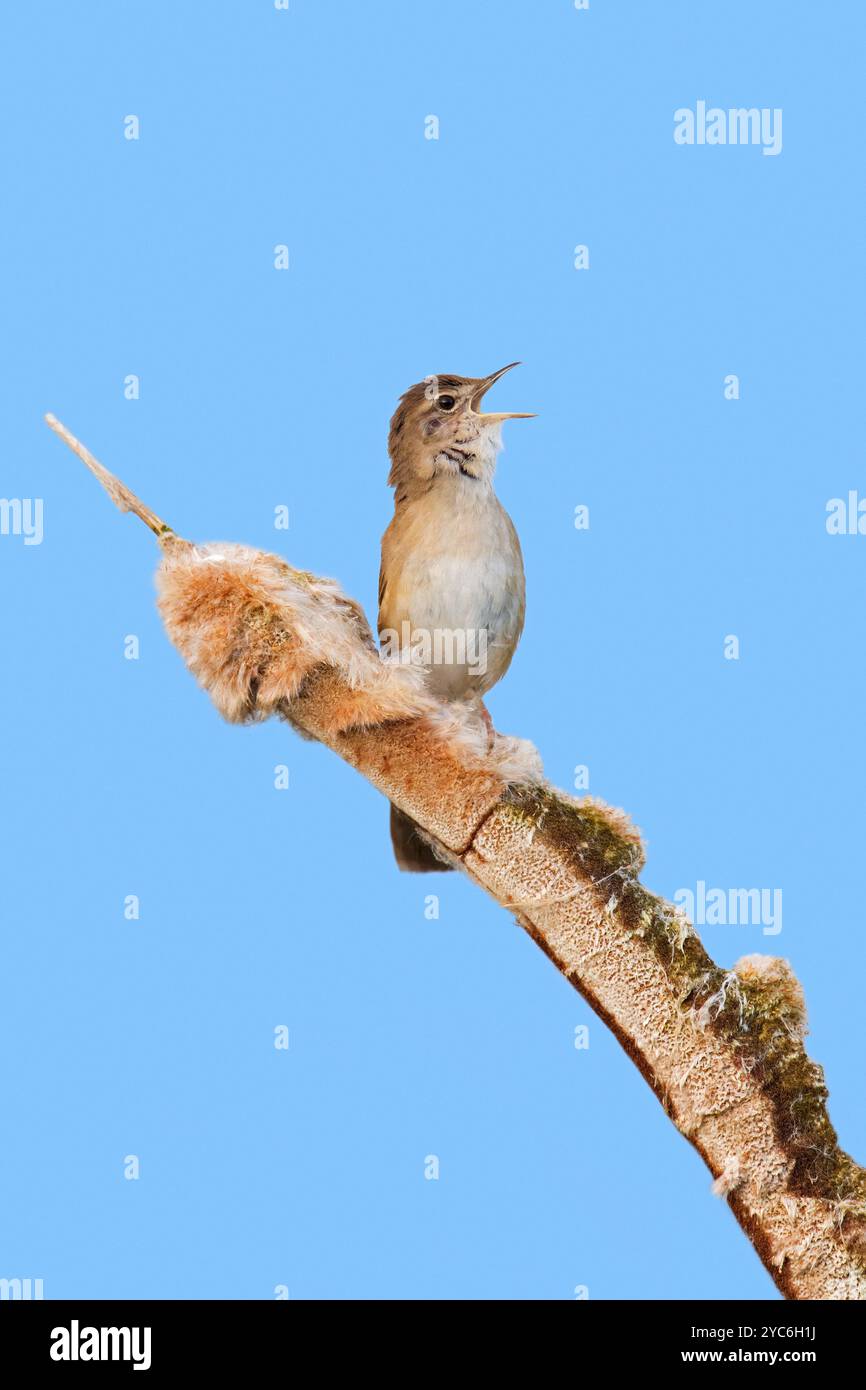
x: 446, y: 402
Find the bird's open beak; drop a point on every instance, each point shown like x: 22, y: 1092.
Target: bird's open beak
x: 482, y: 391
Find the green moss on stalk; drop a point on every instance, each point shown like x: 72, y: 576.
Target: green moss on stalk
x: 761, y: 1022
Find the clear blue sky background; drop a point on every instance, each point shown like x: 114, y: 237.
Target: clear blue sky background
x: 259, y: 907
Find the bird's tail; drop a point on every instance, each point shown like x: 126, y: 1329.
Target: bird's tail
x: 413, y: 855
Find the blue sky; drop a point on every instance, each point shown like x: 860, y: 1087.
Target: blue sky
x: 261, y: 388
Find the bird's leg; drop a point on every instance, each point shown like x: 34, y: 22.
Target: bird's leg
x: 488, y: 724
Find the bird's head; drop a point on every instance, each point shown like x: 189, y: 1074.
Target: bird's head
x: 439, y: 428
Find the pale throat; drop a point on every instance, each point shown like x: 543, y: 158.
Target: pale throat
x: 471, y: 454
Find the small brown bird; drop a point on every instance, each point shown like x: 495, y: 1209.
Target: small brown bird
x: 451, y: 585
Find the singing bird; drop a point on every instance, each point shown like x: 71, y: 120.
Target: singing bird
x: 451, y: 584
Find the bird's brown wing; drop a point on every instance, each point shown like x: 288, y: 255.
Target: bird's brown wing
x: 382, y: 587
x: 389, y: 573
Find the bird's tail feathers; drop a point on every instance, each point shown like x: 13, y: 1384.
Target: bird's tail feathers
x: 413, y: 855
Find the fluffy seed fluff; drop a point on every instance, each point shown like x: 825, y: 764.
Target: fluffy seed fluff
x: 253, y: 630
x: 729, y: 1178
